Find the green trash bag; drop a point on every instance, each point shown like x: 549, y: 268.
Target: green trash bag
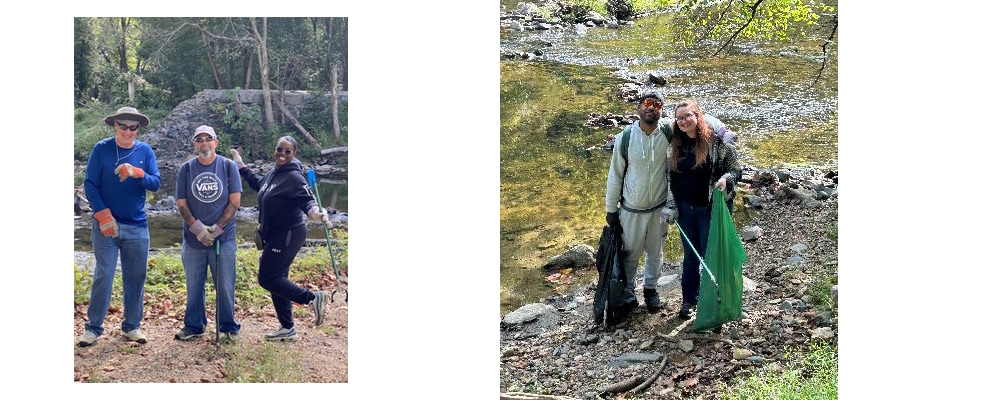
x: 721, y: 300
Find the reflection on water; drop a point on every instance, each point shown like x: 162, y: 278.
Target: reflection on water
x: 165, y: 229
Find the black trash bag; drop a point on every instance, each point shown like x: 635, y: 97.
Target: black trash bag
x: 612, y: 292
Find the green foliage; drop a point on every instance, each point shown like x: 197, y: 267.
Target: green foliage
x: 82, y: 282
x: 165, y: 275
x: 819, y: 291
x: 646, y: 6
x: 317, y: 120
x: 575, y: 10
x: 89, y: 127
x: 813, y: 375
x: 83, y: 49
x: 162, y: 276
x: 771, y: 20
x: 243, y: 127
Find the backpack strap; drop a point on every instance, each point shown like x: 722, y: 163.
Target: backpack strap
x: 624, y: 145
x: 624, y: 151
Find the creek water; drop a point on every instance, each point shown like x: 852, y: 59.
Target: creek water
x: 552, y: 186
x: 165, y: 228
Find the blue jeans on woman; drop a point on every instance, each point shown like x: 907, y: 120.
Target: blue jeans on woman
x: 195, y: 260
x: 695, y: 222
x: 133, y: 245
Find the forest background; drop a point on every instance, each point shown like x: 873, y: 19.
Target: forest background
x: 907, y: 70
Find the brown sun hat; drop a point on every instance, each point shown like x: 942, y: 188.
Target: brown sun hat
x: 127, y: 113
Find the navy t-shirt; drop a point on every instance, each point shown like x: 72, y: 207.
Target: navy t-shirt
x: 206, y: 189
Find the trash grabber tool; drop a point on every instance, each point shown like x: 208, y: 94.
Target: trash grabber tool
x: 312, y: 182
x: 700, y: 260
x: 215, y: 276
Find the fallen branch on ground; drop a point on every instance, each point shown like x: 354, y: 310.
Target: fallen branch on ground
x: 644, y: 385
x: 622, y: 386
x: 531, y: 396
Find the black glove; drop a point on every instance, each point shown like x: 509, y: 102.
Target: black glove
x: 612, y: 218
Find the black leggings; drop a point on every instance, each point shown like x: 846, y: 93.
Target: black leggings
x: 279, y: 251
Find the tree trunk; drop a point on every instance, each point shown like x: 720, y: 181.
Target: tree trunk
x: 122, y: 54
x: 305, y: 134
x: 265, y: 83
x: 334, y: 102
x: 211, y: 61
x: 246, y: 82
x: 332, y: 75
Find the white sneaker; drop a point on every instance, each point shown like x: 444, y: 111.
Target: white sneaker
x: 136, y: 335
x: 281, y: 335
x: 318, y: 306
x: 86, y: 339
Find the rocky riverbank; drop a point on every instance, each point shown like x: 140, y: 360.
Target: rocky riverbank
x: 552, y: 348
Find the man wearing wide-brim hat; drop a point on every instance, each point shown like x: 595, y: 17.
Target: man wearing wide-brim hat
x: 120, y: 170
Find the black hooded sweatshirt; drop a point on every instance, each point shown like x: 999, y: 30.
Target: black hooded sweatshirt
x: 283, y: 196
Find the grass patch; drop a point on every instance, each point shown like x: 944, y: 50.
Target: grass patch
x: 832, y: 230
x: 268, y: 362
x: 819, y: 291
x: 328, y: 330
x: 165, y: 280
x: 813, y: 375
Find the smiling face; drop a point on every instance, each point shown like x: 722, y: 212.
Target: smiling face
x: 284, y: 152
x: 687, y: 120
x: 204, y: 145
x: 649, y: 110
x: 125, y: 132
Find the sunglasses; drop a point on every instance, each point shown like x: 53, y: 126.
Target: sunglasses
x: 287, y: 152
x: 652, y: 103
x: 124, y: 127
x: 203, y: 139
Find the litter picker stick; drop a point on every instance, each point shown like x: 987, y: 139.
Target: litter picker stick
x: 216, y: 277
x: 693, y: 249
x: 312, y: 182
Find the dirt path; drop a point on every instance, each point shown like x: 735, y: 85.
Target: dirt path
x: 320, y: 354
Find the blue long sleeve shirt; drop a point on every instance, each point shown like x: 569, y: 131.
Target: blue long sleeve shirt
x: 127, y: 200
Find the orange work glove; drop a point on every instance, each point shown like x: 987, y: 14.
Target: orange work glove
x: 107, y: 223
x: 128, y: 171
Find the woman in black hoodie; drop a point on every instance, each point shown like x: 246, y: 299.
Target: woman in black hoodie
x: 282, y: 197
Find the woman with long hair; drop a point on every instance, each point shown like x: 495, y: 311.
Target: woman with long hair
x: 699, y: 162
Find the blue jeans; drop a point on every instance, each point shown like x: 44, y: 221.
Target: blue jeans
x: 133, y: 245
x: 695, y: 222
x: 196, y: 274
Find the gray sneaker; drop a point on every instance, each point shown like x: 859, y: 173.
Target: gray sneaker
x: 185, y: 334
x: 318, y: 305
x: 86, y: 339
x: 136, y: 335
x: 281, y: 335
x: 228, y: 337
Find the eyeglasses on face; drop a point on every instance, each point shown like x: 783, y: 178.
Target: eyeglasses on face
x: 287, y: 152
x: 200, y: 139
x: 124, y: 127
x: 652, y: 103
x: 685, y: 117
